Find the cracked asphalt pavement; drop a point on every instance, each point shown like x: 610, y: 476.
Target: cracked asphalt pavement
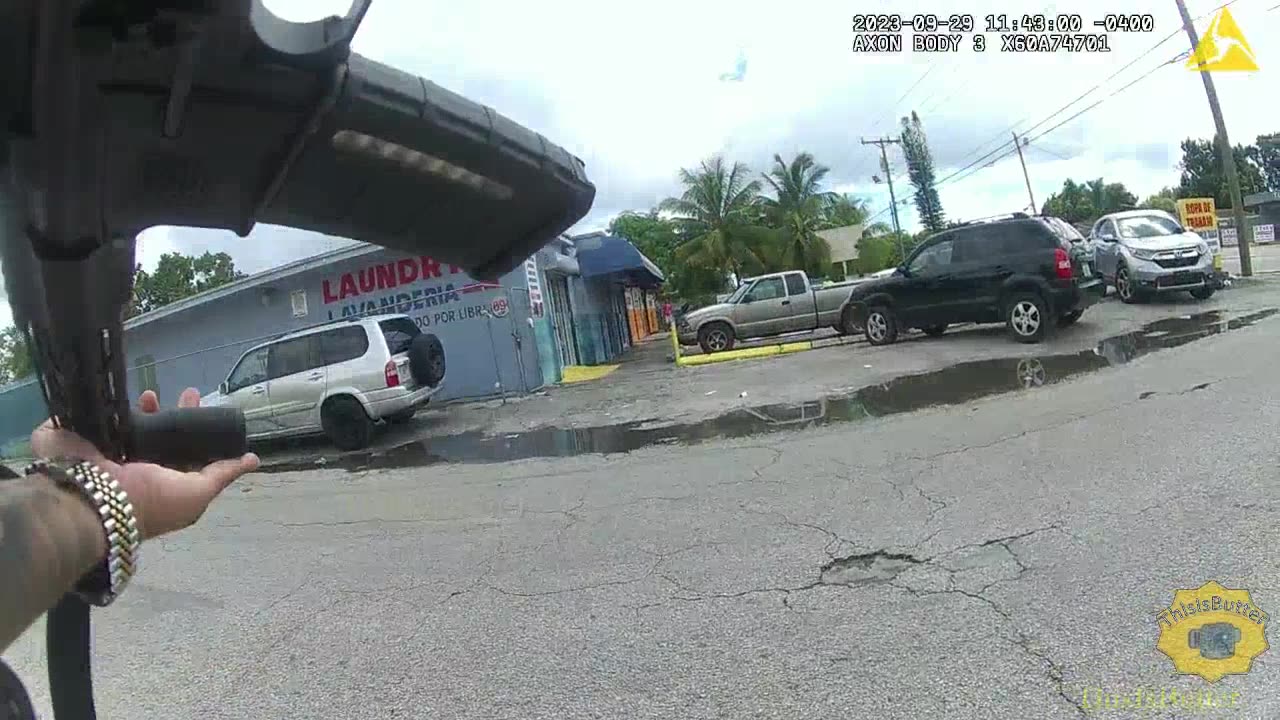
x: 992, y: 559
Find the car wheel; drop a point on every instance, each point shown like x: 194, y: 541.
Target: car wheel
x: 1027, y: 316
x: 426, y: 360
x: 1124, y: 286
x: 345, y: 423
x: 1030, y: 373
x: 848, y: 323
x: 880, y: 327
x: 14, y: 701
x: 715, y: 337
x: 1069, y: 318
x: 1203, y: 293
x: 934, y: 330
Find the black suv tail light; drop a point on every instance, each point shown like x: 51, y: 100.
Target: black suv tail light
x: 1062, y: 263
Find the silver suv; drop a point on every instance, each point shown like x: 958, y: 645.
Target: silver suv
x: 1142, y: 252
x: 340, y: 378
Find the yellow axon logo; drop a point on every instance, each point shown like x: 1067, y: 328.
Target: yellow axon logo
x: 1223, y: 47
x: 1212, y: 631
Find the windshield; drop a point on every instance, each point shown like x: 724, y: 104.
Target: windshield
x: 1065, y: 230
x: 1146, y: 226
x: 515, y: 459
x: 737, y: 294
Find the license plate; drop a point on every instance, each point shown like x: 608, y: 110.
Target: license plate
x: 1085, y: 270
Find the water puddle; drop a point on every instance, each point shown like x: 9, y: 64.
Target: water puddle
x: 953, y: 385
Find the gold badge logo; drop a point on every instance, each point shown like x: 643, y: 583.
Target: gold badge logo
x: 1212, y: 631
x: 1223, y: 47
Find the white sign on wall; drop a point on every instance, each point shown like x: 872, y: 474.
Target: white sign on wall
x: 1228, y: 235
x: 298, y: 299
x: 535, y: 287
x: 1264, y: 233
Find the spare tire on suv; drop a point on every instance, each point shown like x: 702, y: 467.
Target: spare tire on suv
x: 426, y: 360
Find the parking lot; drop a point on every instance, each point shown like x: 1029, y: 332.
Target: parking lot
x: 649, y: 389
x: 854, y: 537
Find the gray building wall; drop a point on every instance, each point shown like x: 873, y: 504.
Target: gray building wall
x: 487, y: 352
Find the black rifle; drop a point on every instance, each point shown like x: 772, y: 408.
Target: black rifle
x: 120, y: 115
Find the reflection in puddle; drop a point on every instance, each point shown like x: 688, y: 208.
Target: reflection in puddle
x: 949, y: 386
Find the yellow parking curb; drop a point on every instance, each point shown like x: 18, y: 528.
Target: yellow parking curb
x: 583, y: 373
x: 745, y: 353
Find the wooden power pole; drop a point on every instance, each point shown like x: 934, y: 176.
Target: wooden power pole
x: 1018, y: 144
x: 1224, y: 149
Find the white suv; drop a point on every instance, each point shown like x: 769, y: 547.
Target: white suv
x: 339, y: 378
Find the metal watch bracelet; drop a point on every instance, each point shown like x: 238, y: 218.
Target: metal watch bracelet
x: 102, y: 585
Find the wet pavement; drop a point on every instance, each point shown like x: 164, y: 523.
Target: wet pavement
x: 961, y: 383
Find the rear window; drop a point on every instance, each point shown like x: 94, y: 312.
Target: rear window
x: 399, y: 333
x: 1064, y: 230
x: 343, y: 344
x: 795, y: 284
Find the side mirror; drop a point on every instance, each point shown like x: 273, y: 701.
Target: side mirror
x: 224, y: 387
x: 902, y: 270
x: 746, y: 300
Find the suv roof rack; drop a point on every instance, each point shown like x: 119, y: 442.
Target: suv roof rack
x: 995, y: 218
x: 348, y: 319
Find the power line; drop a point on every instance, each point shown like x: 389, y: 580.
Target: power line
x: 1078, y: 98
x: 894, y: 107
x: 981, y: 165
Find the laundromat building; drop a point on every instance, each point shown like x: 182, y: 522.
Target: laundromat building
x: 582, y: 300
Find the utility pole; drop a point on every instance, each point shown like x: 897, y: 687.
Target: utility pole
x: 1224, y: 149
x: 888, y: 177
x: 1018, y: 144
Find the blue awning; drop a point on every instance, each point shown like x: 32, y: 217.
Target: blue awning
x: 601, y: 254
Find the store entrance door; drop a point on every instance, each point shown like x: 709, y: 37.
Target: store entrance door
x: 562, y: 318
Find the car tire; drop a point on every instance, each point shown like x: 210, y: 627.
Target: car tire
x: 934, y: 330
x: 345, y: 423
x: 1069, y: 318
x: 1124, y: 286
x: 880, y: 326
x: 1027, y: 316
x: 1203, y: 293
x: 715, y: 337
x: 849, y: 323
x: 426, y: 360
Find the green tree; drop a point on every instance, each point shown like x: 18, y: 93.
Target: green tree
x: 15, y: 359
x: 1086, y: 202
x: 920, y: 171
x: 659, y: 239
x: 178, y: 276
x: 1166, y: 200
x: 883, y: 250
x: 845, y: 210
x: 1202, y: 174
x: 719, y: 213
x: 1266, y: 155
x: 797, y: 210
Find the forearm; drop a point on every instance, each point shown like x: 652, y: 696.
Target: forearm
x: 49, y: 539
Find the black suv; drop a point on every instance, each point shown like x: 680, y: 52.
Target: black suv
x: 1031, y: 273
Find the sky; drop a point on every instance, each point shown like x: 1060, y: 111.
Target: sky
x: 636, y: 92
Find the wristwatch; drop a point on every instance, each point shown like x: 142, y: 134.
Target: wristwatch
x: 102, y: 585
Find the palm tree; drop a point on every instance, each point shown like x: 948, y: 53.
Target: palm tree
x: 718, y: 212
x: 845, y: 210
x: 797, y: 210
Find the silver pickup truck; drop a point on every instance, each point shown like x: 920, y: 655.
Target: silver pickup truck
x: 762, y: 306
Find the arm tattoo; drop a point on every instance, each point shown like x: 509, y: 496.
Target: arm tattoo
x: 49, y: 539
